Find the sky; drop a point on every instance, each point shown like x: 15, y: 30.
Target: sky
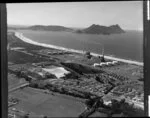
x: 128, y: 14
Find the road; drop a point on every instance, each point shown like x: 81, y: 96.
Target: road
x: 18, y: 87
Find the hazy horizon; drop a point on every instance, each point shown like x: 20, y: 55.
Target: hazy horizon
x: 127, y: 14
x: 25, y: 26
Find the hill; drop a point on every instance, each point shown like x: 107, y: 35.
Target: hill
x: 98, y: 29
x: 50, y: 28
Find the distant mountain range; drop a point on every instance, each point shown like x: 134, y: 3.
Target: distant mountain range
x: 50, y: 28
x: 93, y: 29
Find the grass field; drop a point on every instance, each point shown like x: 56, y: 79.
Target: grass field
x: 46, y: 104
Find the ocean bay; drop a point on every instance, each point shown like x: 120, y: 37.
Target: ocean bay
x: 130, y: 44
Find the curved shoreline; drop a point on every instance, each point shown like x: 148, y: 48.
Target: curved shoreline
x: 27, y: 40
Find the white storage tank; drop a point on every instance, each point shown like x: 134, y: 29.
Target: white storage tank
x: 108, y: 63
x: 102, y: 64
x: 115, y: 62
x: 96, y: 65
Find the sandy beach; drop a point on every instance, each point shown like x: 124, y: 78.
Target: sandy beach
x: 27, y: 40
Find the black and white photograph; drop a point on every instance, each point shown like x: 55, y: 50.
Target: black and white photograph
x: 75, y: 59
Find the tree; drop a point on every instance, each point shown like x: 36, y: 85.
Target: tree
x: 115, y: 107
x: 77, y: 82
x: 122, y: 101
x: 89, y: 103
x: 26, y: 116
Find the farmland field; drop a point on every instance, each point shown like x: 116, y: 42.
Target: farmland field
x: 51, y: 105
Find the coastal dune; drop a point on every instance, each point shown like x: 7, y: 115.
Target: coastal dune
x: 27, y: 40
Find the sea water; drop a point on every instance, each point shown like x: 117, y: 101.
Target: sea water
x: 127, y: 45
